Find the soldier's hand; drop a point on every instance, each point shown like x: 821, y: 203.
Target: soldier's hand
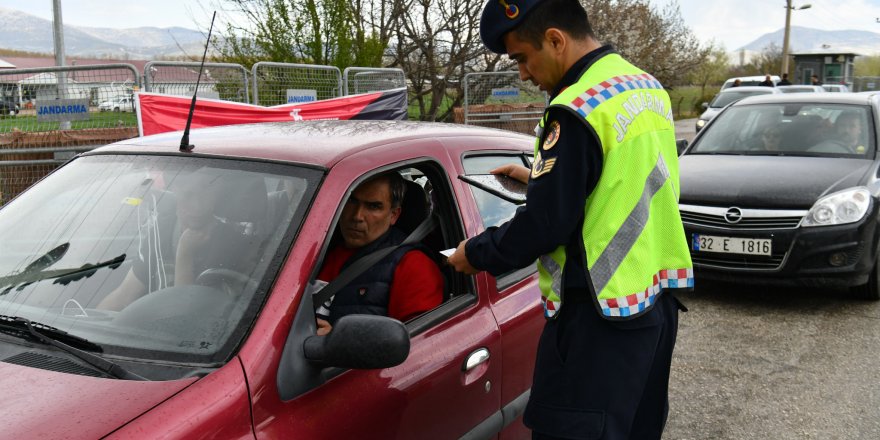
x: 514, y: 171
x: 458, y: 260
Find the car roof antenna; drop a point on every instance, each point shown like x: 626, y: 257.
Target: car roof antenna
x: 184, y: 141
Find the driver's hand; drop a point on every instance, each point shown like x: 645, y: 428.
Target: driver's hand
x: 324, y: 327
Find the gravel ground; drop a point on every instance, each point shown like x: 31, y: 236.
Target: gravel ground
x: 769, y: 363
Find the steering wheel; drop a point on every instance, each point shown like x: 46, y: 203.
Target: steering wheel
x: 229, y: 281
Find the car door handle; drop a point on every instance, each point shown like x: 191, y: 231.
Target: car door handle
x: 476, y: 358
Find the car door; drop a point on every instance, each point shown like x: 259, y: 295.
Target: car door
x: 448, y: 386
x: 515, y: 294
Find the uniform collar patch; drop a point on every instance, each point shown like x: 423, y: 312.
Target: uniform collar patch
x: 552, y: 136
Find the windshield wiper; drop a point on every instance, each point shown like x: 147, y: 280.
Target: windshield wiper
x: 52, y: 336
x: 64, y: 276
x: 47, y: 259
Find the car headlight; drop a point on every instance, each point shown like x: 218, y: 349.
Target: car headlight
x: 701, y: 123
x: 840, y: 208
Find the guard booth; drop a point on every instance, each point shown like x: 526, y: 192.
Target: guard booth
x: 830, y: 67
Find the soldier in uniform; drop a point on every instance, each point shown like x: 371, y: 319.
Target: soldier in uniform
x: 605, y: 158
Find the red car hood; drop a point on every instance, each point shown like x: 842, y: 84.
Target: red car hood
x: 38, y: 403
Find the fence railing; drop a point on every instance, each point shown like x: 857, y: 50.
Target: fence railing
x: 50, y: 114
x: 284, y: 83
x: 501, y: 100
x: 226, y: 81
x: 372, y: 79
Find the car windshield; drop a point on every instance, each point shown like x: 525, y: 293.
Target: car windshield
x: 727, y: 97
x: 157, y: 258
x: 802, y: 129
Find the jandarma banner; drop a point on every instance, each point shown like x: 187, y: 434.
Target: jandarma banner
x: 160, y: 113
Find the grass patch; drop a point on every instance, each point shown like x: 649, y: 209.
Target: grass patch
x: 25, y: 122
x: 687, y: 100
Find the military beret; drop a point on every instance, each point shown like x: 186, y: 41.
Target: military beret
x: 500, y: 17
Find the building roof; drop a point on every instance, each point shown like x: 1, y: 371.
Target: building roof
x: 827, y: 52
x: 39, y: 62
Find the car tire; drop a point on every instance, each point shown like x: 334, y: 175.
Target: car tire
x: 870, y: 290
x: 116, y: 109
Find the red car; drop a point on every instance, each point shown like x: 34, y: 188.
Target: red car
x: 235, y: 355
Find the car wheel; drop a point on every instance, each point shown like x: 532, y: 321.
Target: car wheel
x: 871, y: 290
x: 116, y: 109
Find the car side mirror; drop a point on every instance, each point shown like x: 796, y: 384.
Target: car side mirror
x: 705, y: 105
x: 681, y: 145
x: 360, y: 342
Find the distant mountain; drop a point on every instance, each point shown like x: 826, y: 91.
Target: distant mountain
x: 803, y: 39
x: 21, y: 31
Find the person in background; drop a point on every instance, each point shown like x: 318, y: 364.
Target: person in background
x: 736, y: 83
x: 814, y: 80
x: 768, y: 82
x: 784, y: 81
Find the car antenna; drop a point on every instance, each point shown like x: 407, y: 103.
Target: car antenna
x: 184, y: 141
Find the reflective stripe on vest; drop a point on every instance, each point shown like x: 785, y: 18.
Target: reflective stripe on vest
x: 589, y: 100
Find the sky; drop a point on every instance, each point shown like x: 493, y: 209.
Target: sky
x: 731, y: 23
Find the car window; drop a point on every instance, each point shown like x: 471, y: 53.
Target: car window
x: 807, y: 129
x: 195, y: 239
x: 495, y: 210
x: 427, y: 194
x: 728, y: 97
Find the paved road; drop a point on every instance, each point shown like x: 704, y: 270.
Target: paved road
x: 685, y: 128
x: 762, y: 363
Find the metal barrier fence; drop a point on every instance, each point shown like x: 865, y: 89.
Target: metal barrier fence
x: 865, y: 83
x: 856, y: 83
x: 224, y: 81
x: 372, y: 79
x: 51, y: 113
x: 283, y: 83
x: 501, y: 100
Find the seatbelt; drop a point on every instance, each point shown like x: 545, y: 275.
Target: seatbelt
x: 358, y: 267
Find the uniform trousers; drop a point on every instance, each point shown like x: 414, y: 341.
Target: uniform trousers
x: 601, y: 379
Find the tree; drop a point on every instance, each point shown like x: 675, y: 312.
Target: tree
x: 436, y: 42
x: 656, y: 41
x: 867, y: 66
x: 712, y: 70
x: 332, y: 32
x: 769, y: 60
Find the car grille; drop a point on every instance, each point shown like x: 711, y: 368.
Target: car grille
x: 736, y: 261
x: 750, y: 219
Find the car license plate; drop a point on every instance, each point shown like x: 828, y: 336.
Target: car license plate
x: 731, y: 245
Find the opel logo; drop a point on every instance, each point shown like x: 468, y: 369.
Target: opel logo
x: 733, y: 215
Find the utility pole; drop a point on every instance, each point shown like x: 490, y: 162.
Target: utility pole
x: 788, y: 9
x: 60, y: 77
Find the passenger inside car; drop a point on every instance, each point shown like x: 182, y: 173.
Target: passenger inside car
x: 190, y: 229
x: 771, y: 138
x: 846, y: 136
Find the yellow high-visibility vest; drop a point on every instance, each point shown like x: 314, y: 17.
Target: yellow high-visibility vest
x: 632, y: 232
